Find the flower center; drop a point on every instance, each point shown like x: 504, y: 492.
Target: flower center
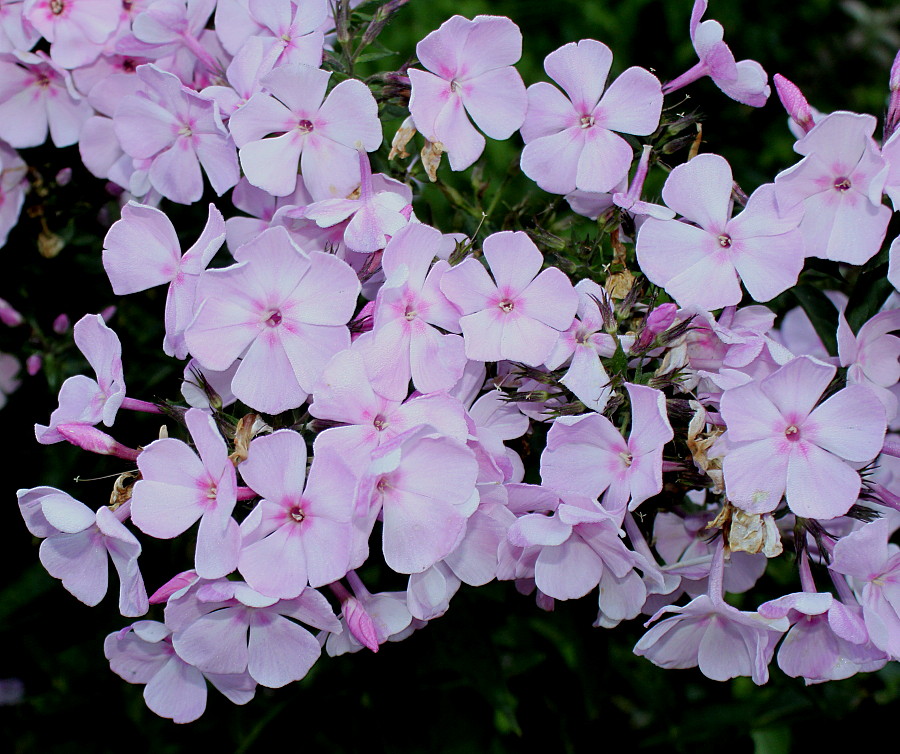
x: 380, y: 422
x: 842, y: 184
x: 274, y: 319
x: 185, y: 130
x: 792, y: 433
x: 627, y: 458
x: 725, y: 241
x: 43, y: 81
x: 297, y: 514
x: 454, y: 85
x: 305, y: 126
x: 212, y: 492
x: 587, y: 121
x: 506, y: 305
x: 57, y: 7
x: 410, y: 313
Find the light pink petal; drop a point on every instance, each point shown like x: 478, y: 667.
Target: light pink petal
x: 177, y: 691
x: 769, y: 265
x: 553, y: 161
x: 276, y: 564
x: 143, y: 127
x: 513, y: 258
x: 80, y: 561
x: 349, y: 116
x: 279, y: 651
x: 492, y: 42
x: 271, y: 164
x: 700, y: 190
x: 819, y: 484
x: 750, y: 414
x: 568, y: 571
x: 141, y: 250
x: 496, y: 101
x: 176, y: 174
x: 604, y: 161
x: 581, y: 70
x: 164, y: 510
x: 215, y: 643
x: 266, y: 470
x: 280, y: 390
x: 329, y: 169
x: 751, y: 85
x: 850, y: 424
x: 468, y: 286
x: 797, y: 386
x: 454, y: 130
x: 326, y: 295
x: 550, y: 299
x: 650, y: 428
x: 428, y: 97
x: 632, y: 104
x: 549, y: 112
x: 756, y: 475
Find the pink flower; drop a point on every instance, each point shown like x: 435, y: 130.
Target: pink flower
x: 177, y: 487
x: 470, y: 64
x: 587, y: 455
x: 320, y: 134
x: 781, y: 443
x: 569, y: 139
x: 839, y: 184
x: 178, y: 132
x: 744, y: 81
x: 76, y: 29
x: 77, y: 544
x: 295, y: 537
x: 520, y: 316
x: 703, y: 266
x: 141, y: 251
x: 282, y: 311
x: 143, y: 653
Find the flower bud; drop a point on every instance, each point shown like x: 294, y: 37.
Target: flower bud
x: 93, y: 440
x: 794, y: 102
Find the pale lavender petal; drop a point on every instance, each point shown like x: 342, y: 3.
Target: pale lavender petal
x: 496, y: 101
x: 549, y: 112
x: 819, y: 484
x: 553, y: 161
x: 756, y: 475
x: 632, y: 104
x: 700, y: 190
x: 850, y: 424
x: 581, y: 70
x: 279, y: 651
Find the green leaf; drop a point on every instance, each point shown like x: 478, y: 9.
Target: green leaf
x: 821, y: 312
x: 869, y: 294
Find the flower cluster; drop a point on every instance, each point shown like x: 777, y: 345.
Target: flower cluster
x: 361, y: 387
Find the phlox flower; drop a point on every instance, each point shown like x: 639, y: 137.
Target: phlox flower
x: 282, y: 311
x: 701, y: 265
x: 77, y: 544
x: 469, y: 74
x: 585, y: 342
x: 708, y: 633
x: 83, y: 400
x: 178, y: 132
x: 873, y: 564
x: 295, y: 536
x: 409, y: 309
x: 225, y: 627
x: 424, y: 487
x: 320, y: 134
x: 178, y: 486
x: 520, y: 313
x: 587, y: 455
x: 263, y: 208
x: 141, y: 251
x: 16, y: 32
x: 373, y: 217
x: 143, y: 653
x: 291, y: 33
x: 838, y: 183
x: 37, y: 96
x: 76, y: 29
x: 744, y: 81
x: 569, y: 139
x: 781, y: 443
x: 871, y: 356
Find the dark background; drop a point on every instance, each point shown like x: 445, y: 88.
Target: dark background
x: 495, y: 674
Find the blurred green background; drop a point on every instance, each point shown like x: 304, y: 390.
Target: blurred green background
x: 495, y: 674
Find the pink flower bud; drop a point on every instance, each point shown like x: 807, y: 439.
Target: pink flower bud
x: 93, y: 440
x: 360, y: 623
x: 108, y: 313
x: 33, y: 364
x: 794, y: 102
x: 8, y: 315
x: 895, y: 73
x: 61, y: 324
x: 174, y: 585
x: 63, y: 177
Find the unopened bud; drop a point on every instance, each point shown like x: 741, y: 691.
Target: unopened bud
x: 33, y: 364
x: 93, y: 440
x: 61, y: 324
x: 360, y: 623
x: 794, y: 102
x: 9, y: 316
